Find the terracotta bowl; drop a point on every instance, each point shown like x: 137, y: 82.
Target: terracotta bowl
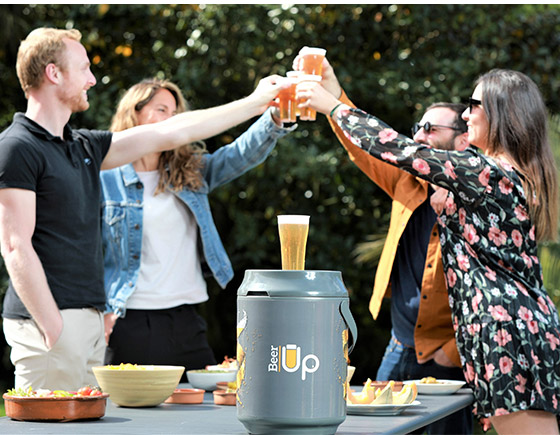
x: 55, y: 408
x: 186, y: 396
x: 143, y: 386
x: 221, y: 397
x: 207, y: 379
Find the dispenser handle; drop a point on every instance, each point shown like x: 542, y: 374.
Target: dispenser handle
x: 349, y: 320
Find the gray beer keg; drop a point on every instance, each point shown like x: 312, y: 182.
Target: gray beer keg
x: 292, y: 349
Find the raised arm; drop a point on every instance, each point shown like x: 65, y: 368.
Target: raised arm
x: 187, y: 127
x: 17, y: 223
x: 329, y: 80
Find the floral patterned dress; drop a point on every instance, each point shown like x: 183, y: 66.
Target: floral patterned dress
x: 507, y: 328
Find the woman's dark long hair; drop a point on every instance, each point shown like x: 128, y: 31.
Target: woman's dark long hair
x: 518, y: 128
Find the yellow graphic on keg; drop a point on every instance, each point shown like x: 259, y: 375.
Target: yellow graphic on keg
x: 291, y: 358
x: 288, y: 358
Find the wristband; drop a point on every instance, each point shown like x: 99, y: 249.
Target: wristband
x: 334, y: 108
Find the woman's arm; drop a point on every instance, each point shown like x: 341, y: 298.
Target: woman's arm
x: 465, y: 173
x: 189, y: 127
x: 243, y: 154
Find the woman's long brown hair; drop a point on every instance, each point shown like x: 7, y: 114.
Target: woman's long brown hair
x: 179, y: 168
x: 518, y: 127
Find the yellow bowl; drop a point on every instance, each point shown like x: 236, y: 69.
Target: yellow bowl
x: 139, y: 386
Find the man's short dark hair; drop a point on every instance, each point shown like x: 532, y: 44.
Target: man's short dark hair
x: 458, y: 108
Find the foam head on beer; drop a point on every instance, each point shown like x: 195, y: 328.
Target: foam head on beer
x: 293, y: 230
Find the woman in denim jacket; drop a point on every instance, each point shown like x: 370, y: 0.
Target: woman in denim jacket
x: 157, y: 225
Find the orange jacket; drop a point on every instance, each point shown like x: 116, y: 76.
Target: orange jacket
x: 433, y: 326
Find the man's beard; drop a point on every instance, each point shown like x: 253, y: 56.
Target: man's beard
x: 446, y: 146
x: 76, y: 103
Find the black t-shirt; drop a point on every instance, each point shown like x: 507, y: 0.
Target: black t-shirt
x: 408, y: 271
x: 64, y: 174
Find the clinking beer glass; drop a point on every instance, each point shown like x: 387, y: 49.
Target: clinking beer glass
x: 307, y: 113
x: 312, y: 60
x: 287, y: 101
x: 295, y: 76
x: 293, y: 230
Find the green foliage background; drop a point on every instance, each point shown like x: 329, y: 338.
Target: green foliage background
x: 393, y: 61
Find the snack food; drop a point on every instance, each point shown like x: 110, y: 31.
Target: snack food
x: 127, y: 366
x: 429, y: 380
x: 383, y: 396
x: 85, y: 391
x: 406, y: 395
x: 366, y: 396
x: 228, y: 363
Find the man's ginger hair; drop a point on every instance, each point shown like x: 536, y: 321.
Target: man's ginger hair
x: 41, y: 47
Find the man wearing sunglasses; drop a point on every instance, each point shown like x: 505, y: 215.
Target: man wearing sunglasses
x: 434, y: 134
x: 410, y: 270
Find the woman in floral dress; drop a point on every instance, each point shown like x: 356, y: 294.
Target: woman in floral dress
x: 507, y: 327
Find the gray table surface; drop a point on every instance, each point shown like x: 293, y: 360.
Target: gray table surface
x: 207, y: 418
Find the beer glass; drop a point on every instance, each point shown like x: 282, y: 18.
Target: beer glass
x: 293, y: 230
x: 287, y: 101
x: 307, y: 113
x: 295, y: 75
x: 312, y: 60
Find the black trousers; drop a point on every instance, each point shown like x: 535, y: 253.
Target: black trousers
x: 174, y: 336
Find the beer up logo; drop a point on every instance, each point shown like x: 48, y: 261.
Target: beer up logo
x: 288, y: 358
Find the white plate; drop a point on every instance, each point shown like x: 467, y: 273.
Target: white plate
x: 389, y: 409
x: 443, y: 386
x: 217, y: 368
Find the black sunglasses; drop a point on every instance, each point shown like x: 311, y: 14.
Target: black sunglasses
x: 428, y: 127
x: 472, y: 102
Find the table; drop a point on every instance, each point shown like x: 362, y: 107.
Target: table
x: 207, y: 418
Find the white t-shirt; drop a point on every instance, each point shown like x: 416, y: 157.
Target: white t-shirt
x: 170, y: 273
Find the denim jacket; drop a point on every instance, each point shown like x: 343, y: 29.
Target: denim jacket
x: 122, y: 193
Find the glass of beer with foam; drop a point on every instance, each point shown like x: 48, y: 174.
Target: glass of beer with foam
x: 293, y: 230
x: 312, y: 60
